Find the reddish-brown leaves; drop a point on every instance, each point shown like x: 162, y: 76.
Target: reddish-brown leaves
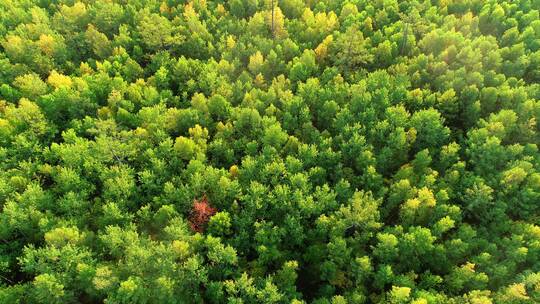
x: 201, y: 213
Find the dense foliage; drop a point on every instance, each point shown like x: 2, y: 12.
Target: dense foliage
x: 319, y: 151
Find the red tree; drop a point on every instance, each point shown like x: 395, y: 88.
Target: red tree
x: 201, y: 212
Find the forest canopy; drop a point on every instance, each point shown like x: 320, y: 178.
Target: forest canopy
x: 270, y: 151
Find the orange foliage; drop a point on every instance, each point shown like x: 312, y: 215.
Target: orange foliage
x: 201, y: 212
